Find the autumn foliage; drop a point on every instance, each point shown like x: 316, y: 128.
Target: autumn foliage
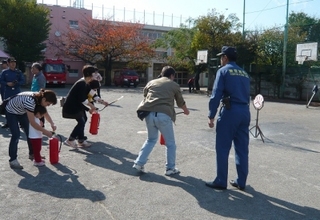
x: 103, y: 41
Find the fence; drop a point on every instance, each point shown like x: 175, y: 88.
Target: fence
x: 125, y: 15
x: 299, y: 82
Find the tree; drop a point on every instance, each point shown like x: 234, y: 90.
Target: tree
x: 306, y: 25
x: 179, y: 40
x: 212, y: 32
x: 270, y: 47
x: 104, y: 41
x: 216, y: 30
x: 270, y: 52
x: 24, y: 28
x: 308, y: 28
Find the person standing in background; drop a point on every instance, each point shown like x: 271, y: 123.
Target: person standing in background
x: 11, y: 80
x: 96, y: 76
x: 38, y: 81
x: 191, y: 84
x: 4, y: 66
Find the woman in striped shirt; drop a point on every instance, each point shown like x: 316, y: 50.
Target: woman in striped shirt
x: 20, y: 110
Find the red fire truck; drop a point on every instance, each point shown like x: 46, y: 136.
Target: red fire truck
x: 55, y: 72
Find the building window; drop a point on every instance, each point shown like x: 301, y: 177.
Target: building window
x: 73, y: 73
x: 73, y: 24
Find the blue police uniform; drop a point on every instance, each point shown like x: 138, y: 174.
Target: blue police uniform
x: 232, y: 123
x: 9, y: 75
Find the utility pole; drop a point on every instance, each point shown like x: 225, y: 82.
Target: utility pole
x: 285, y: 42
x: 244, y: 20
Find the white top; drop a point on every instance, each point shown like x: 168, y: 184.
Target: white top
x: 34, y: 133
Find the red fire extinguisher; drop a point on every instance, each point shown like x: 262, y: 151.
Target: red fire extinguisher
x: 54, y: 148
x: 95, y: 120
x: 162, y: 141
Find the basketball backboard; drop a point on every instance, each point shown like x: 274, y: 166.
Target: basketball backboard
x: 202, y: 57
x: 307, y: 52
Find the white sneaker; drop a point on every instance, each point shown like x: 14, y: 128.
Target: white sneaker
x: 138, y: 167
x: 15, y: 164
x: 170, y: 172
x: 84, y: 144
x: 71, y: 143
x: 39, y: 164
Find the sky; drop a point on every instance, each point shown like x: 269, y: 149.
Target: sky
x: 259, y: 14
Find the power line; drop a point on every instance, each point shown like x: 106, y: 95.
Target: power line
x: 268, y: 9
x: 260, y: 13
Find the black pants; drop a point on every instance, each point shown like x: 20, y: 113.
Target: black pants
x: 191, y: 85
x: 78, y: 130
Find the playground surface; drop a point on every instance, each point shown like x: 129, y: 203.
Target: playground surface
x: 99, y: 182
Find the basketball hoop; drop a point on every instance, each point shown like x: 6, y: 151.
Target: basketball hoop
x: 198, y: 62
x: 301, y: 59
x: 306, y: 52
x: 202, y: 57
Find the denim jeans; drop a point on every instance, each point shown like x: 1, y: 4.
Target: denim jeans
x: 156, y: 122
x: 13, y: 122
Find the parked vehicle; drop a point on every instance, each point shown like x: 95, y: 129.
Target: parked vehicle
x: 55, y: 71
x: 126, y: 77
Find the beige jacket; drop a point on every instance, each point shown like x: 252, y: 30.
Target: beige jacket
x: 159, y: 95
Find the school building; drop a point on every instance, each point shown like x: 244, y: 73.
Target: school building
x: 63, y: 17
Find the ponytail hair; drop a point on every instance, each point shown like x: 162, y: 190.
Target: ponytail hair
x: 49, y: 95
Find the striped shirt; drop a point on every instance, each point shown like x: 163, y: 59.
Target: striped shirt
x: 20, y: 104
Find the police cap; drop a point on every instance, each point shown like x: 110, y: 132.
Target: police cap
x: 228, y: 51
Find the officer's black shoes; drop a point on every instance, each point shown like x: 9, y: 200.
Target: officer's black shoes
x: 234, y: 184
x: 215, y: 186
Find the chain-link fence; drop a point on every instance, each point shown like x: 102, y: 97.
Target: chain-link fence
x: 299, y: 81
x: 125, y: 14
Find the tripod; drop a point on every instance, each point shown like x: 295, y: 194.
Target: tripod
x: 257, y: 129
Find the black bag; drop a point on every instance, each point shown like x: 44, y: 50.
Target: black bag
x: 142, y: 114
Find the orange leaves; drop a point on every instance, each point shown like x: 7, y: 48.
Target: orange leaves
x: 120, y: 41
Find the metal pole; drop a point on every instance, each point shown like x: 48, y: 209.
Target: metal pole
x: 102, y: 12
x: 162, y: 18
x: 244, y: 19
x: 284, y: 62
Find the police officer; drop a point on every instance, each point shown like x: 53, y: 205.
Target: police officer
x: 11, y: 79
x: 4, y: 66
x: 232, y: 88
